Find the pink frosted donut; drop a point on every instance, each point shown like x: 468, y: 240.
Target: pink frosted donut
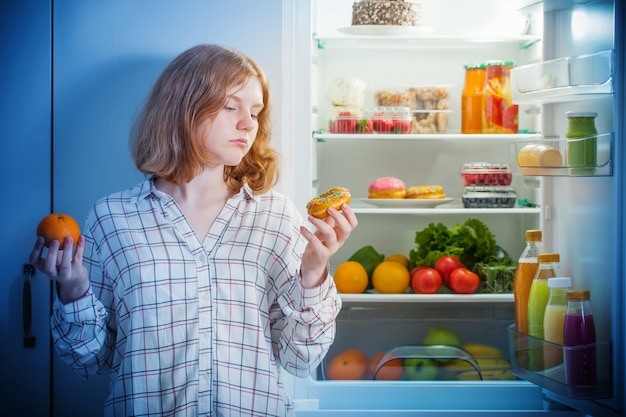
x: 334, y: 197
x: 387, y: 187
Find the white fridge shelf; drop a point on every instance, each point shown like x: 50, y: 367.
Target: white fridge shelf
x: 421, y: 41
x: 369, y: 298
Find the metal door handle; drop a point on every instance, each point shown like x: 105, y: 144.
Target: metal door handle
x: 27, y: 306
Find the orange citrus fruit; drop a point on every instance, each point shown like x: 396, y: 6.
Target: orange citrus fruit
x: 349, y: 364
x: 390, y: 371
x: 390, y: 278
x: 57, y: 226
x: 350, y: 278
x: 399, y: 258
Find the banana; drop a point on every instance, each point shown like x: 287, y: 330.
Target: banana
x: 478, y: 350
x: 491, y: 375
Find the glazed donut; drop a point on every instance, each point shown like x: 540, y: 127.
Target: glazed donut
x: 334, y: 197
x: 387, y: 187
x: 425, y: 191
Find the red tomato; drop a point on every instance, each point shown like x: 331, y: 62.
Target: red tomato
x: 464, y: 281
x: 445, y: 265
x: 425, y: 280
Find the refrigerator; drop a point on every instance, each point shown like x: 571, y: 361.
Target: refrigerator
x: 568, y: 56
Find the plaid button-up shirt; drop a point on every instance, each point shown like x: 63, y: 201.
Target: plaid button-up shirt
x: 194, y: 327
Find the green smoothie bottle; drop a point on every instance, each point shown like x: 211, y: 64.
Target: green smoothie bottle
x: 582, y: 146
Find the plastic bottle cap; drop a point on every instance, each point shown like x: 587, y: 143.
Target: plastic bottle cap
x: 578, y: 295
x: 548, y: 257
x: 559, y: 282
x: 581, y: 114
x: 533, y: 235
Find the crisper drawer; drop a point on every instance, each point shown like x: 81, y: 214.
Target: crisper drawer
x: 411, y: 341
x: 453, y: 388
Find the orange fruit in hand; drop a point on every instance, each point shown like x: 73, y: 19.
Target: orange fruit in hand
x: 57, y: 226
x: 350, y: 277
x: 390, y: 371
x: 349, y: 364
x: 390, y: 278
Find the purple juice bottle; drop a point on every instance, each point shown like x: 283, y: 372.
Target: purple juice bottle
x: 579, y: 339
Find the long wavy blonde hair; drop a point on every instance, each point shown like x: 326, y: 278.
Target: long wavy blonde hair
x: 192, y: 87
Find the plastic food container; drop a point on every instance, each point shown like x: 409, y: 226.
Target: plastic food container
x: 489, y: 196
x: 347, y: 120
x: 483, y: 173
x: 429, y: 105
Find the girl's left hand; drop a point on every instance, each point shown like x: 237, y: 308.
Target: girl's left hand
x: 331, y: 233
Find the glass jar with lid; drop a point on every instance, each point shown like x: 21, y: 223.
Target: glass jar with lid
x: 500, y: 115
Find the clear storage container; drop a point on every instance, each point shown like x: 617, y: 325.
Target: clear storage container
x: 382, y: 119
x: 488, y: 196
x: 483, y: 173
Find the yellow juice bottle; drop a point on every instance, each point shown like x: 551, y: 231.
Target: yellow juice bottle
x: 537, y: 301
x: 554, y: 320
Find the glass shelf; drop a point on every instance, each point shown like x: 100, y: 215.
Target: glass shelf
x: 331, y: 137
x: 421, y: 41
x: 575, y: 78
x: 442, y: 210
x: 542, y: 363
x: 603, y: 165
x: 426, y: 298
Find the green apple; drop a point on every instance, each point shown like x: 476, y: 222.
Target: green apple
x: 444, y: 337
x: 420, y: 369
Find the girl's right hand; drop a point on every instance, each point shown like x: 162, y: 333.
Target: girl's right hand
x: 65, y: 266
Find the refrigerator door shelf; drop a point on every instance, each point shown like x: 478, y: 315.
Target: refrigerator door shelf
x: 603, y: 167
x: 528, y: 354
x: 564, y: 79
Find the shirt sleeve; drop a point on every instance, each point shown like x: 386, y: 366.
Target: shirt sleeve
x: 303, y: 318
x: 79, y: 329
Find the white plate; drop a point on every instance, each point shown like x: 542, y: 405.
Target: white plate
x: 406, y: 202
x: 386, y: 30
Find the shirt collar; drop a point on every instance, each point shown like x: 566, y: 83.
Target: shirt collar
x: 147, y: 189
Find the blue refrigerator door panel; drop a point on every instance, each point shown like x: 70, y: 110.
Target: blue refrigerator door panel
x: 25, y: 166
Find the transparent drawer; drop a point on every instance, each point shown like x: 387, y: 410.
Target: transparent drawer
x: 545, y: 364
x: 549, y: 156
x: 564, y: 79
x: 420, y: 342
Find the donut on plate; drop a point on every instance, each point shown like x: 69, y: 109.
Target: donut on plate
x: 425, y: 191
x: 387, y: 187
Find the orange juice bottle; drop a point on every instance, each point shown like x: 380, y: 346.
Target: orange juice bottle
x: 523, y: 278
